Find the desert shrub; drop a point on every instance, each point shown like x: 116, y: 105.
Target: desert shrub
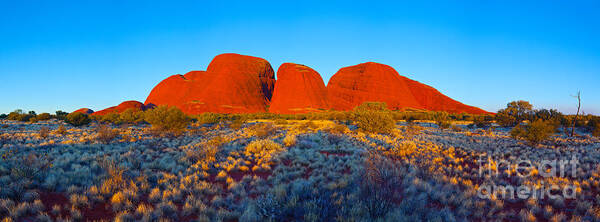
x: 280, y: 122
x: 379, y: 182
x: 115, y: 180
x: 44, y: 132
x: 130, y: 116
x: 61, y: 115
x: 78, y: 119
x: 19, y: 115
x: 167, y: 119
x: 262, y: 151
x: 456, y: 128
x: 514, y: 113
x: 534, y: 133
x: 43, y: 116
x: 441, y: 119
x: 61, y: 130
x: 336, y: 129
x: 262, y: 130
x: 113, y: 118
x: 105, y: 134
x: 289, y: 140
x: 237, y: 124
x: 208, y: 118
x: 307, y: 126
x: 373, y: 118
x: 596, y: 131
x: 372, y: 106
x: 206, y: 152
x: 411, y: 129
x: 551, y: 116
x: 482, y: 121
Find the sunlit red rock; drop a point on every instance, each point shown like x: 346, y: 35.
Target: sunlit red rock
x: 177, y: 90
x: 432, y: 99
x: 132, y: 104
x: 233, y: 83
x: 299, y: 89
x: 369, y: 82
x: 84, y: 111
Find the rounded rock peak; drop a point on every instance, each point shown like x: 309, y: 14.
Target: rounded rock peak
x: 369, y: 82
x: 84, y: 111
x: 299, y: 89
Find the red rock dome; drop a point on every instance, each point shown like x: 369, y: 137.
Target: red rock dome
x: 369, y: 82
x: 299, y: 89
x: 233, y: 83
x: 177, y: 90
x: 132, y: 104
x: 432, y: 99
x: 84, y: 111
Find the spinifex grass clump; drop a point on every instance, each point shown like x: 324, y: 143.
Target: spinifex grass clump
x: 373, y: 117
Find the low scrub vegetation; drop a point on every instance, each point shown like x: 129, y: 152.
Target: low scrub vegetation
x: 533, y: 133
x: 307, y: 167
x: 78, y: 119
x: 373, y: 117
x: 167, y: 119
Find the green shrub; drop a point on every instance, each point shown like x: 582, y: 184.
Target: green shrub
x: 131, y: 116
x: 482, y: 121
x: 534, y: 133
x: 43, y: 116
x: 61, y: 115
x: 19, y: 115
x: 208, y: 118
x: 78, y: 119
x: 514, y: 113
x: 167, y: 119
x: 373, y: 118
x: 113, y: 118
x: 3, y: 116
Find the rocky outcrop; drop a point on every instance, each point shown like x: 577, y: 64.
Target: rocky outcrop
x: 299, y: 89
x: 432, y: 99
x: 84, y: 111
x: 233, y: 83
x: 132, y: 104
x: 369, y: 82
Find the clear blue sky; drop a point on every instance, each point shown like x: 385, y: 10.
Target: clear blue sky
x: 71, y: 54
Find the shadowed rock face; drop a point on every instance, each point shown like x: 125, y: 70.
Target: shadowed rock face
x: 135, y: 105
x: 84, y: 111
x: 299, y: 89
x: 369, y: 82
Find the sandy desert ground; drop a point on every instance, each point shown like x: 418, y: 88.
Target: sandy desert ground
x: 280, y: 170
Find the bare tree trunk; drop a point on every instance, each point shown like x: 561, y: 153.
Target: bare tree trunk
x: 578, y: 96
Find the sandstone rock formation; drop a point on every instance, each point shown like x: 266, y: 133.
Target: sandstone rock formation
x: 84, y: 111
x: 369, y: 82
x: 299, y: 89
x: 236, y: 83
x: 432, y: 99
x: 177, y: 90
x: 233, y: 83
x: 131, y: 104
